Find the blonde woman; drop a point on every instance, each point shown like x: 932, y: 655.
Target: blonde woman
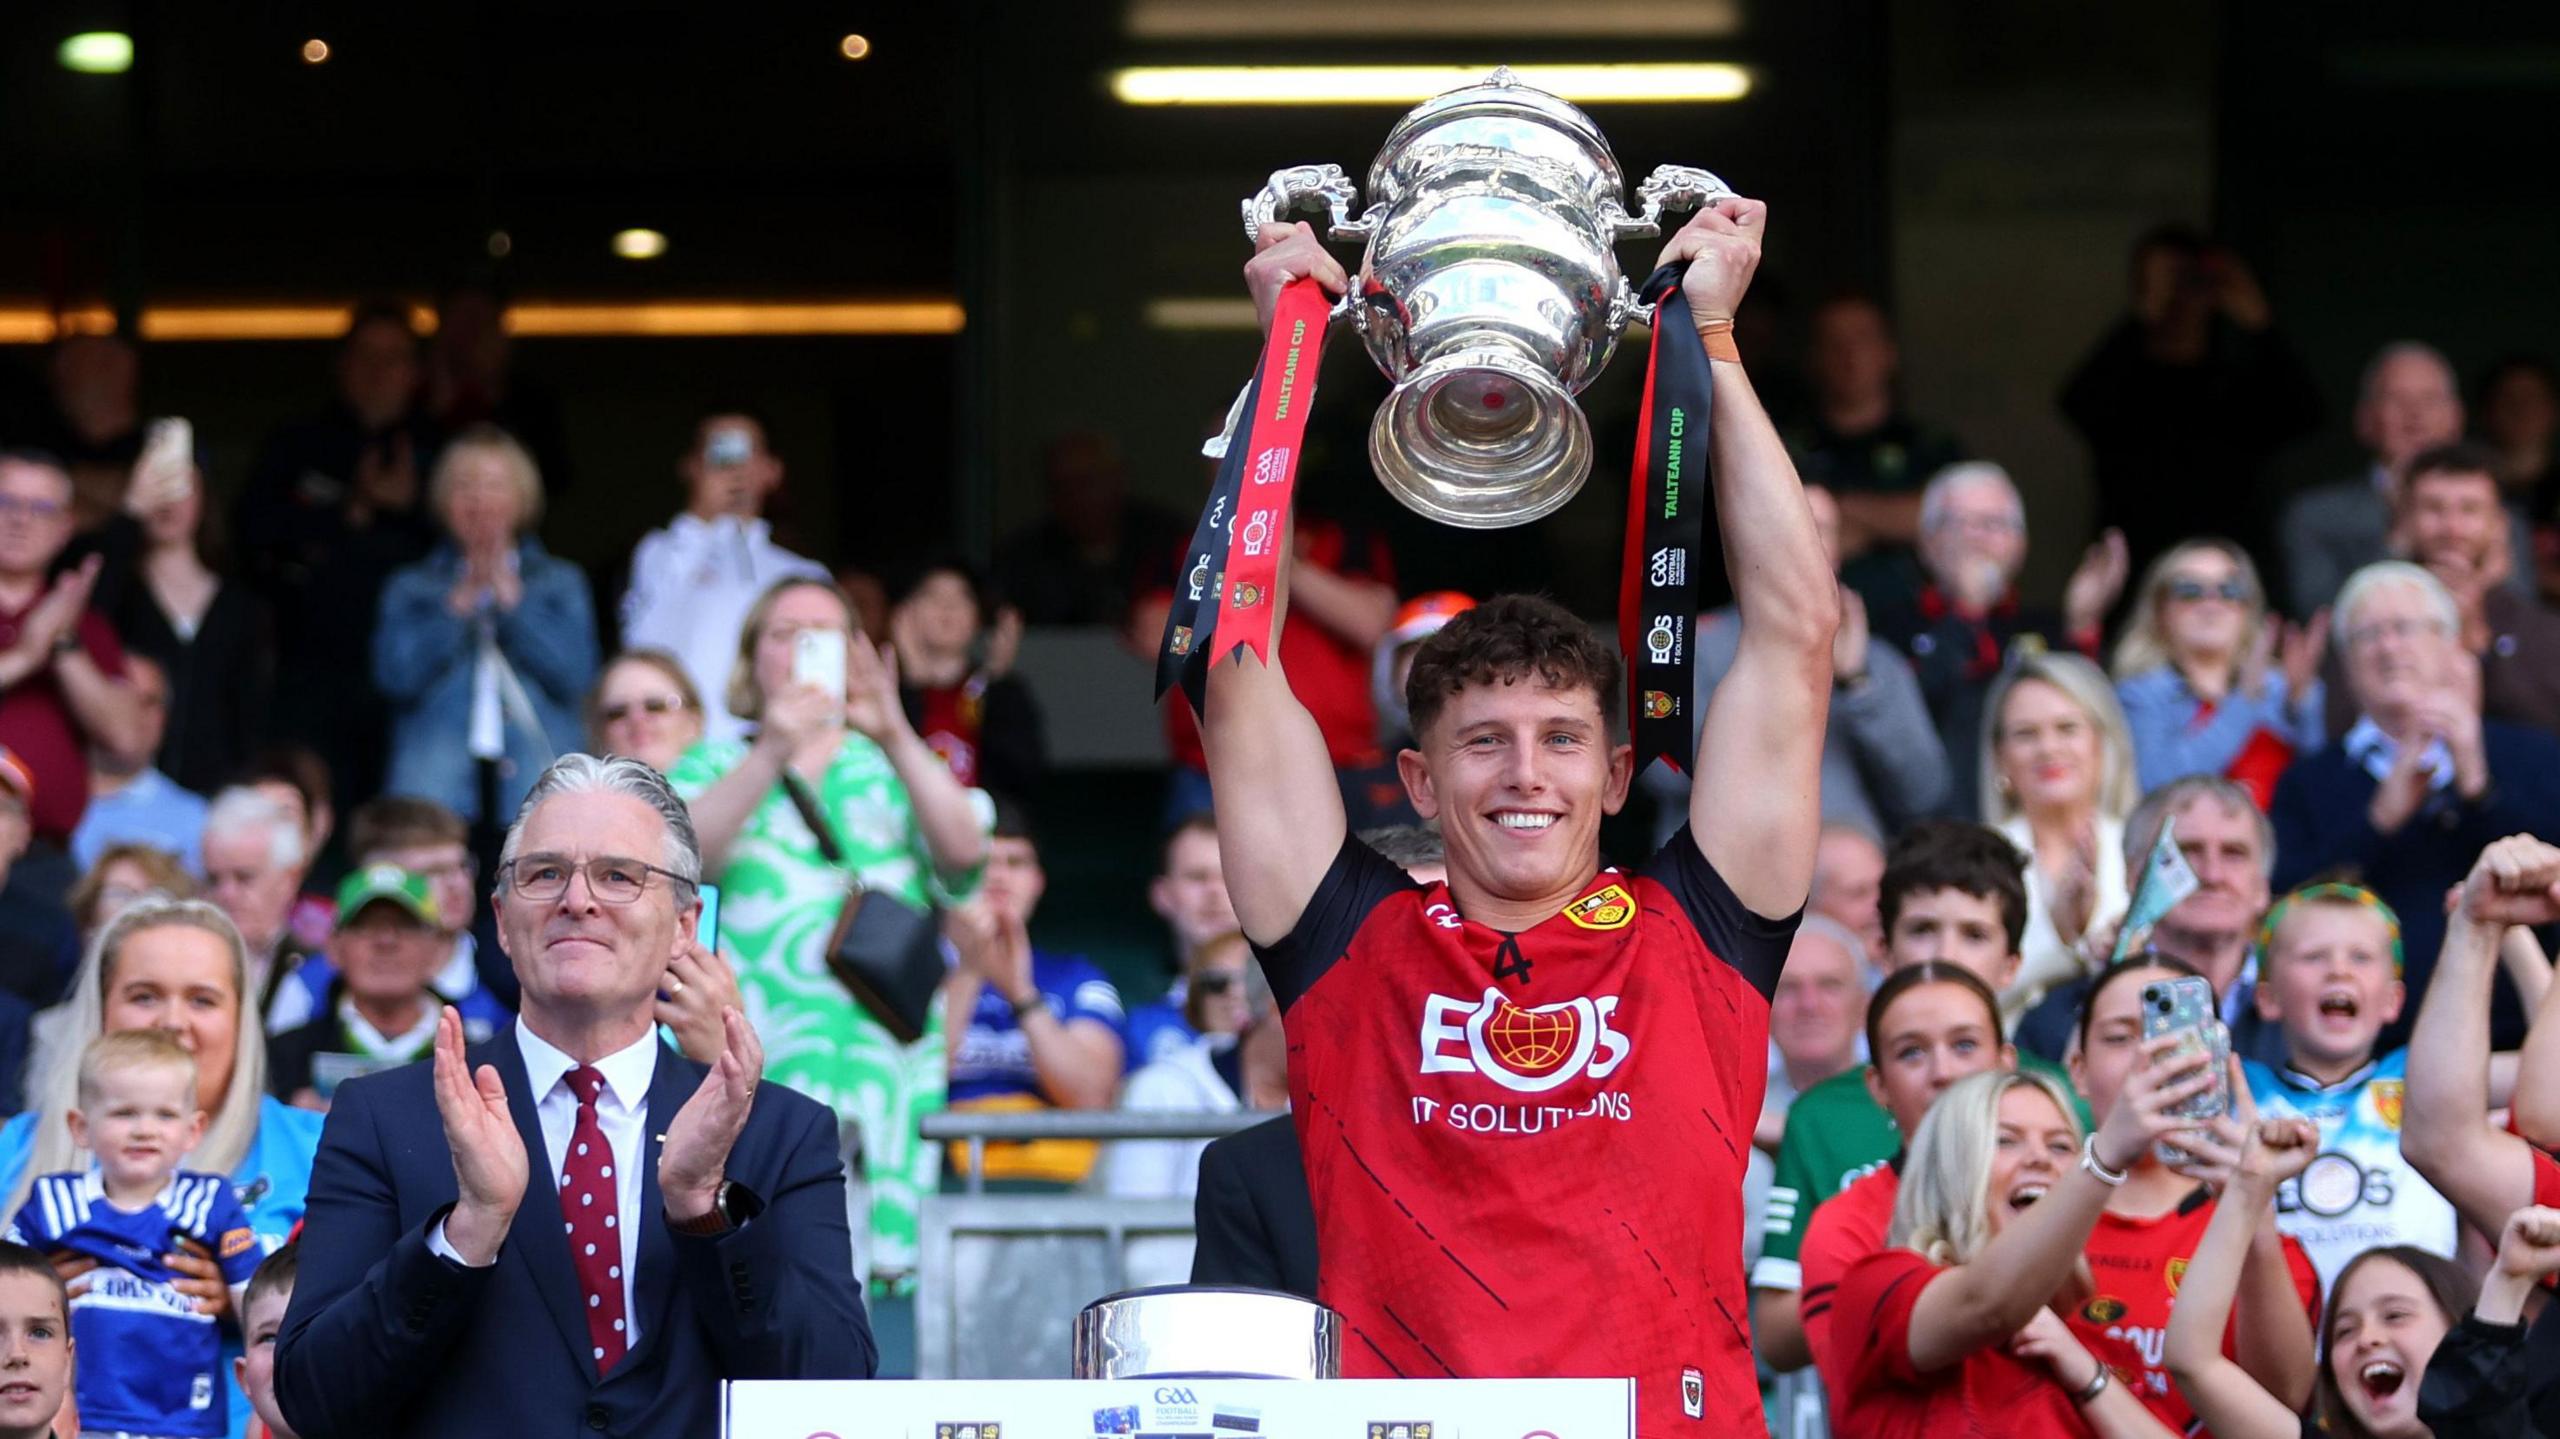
x: 1951, y: 1329
x: 644, y: 706
x: 175, y: 965
x: 2210, y: 682
x: 2057, y: 781
x: 485, y: 648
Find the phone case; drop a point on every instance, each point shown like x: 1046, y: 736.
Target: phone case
x: 817, y: 660
x: 2184, y: 1007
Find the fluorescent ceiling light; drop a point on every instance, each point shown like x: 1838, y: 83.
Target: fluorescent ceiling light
x: 704, y: 319
x: 1199, y: 312
x: 97, y: 52
x: 1471, y: 20
x: 1405, y: 84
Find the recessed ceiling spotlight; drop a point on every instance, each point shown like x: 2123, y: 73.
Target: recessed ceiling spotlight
x: 315, y: 51
x: 97, y: 52
x: 854, y: 47
x: 637, y: 244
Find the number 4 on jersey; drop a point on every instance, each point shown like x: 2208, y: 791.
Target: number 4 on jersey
x: 1509, y: 962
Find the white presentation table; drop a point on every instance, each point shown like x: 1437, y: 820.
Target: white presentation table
x: 1182, y: 1409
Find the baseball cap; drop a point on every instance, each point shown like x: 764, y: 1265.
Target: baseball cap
x: 1423, y: 615
x: 15, y: 775
x: 386, y: 881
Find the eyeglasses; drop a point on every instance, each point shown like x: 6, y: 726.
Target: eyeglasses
x: 2188, y: 591
x: 543, y: 878
x: 1215, y: 981
x: 14, y: 507
x: 1983, y: 524
x: 655, y: 704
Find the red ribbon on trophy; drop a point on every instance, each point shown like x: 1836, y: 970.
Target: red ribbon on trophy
x: 1223, y: 599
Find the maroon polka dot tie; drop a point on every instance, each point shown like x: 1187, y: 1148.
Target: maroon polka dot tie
x: 594, y: 1213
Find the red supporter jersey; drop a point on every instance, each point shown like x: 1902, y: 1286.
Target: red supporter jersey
x: 2546, y: 1180
x: 1990, y: 1395
x: 2138, y: 1265
x: 1328, y: 674
x: 1844, y: 1229
x: 1526, y: 1151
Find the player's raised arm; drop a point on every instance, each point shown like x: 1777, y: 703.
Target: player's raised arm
x: 1279, y: 812
x: 1754, y: 807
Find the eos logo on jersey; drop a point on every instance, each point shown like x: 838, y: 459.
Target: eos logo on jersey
x: 1529, y: 1051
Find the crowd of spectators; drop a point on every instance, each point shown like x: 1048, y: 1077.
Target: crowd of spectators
x: 2338, y: 710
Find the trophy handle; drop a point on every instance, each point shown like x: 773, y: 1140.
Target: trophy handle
x: 1298, y: 183
x: 1669, y: 187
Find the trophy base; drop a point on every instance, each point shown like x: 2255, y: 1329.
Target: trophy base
x: 1481, y: 439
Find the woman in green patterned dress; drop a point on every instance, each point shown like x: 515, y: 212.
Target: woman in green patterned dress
x: 907, y: 829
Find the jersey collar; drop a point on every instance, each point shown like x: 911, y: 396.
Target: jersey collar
x: 2306, y: 1083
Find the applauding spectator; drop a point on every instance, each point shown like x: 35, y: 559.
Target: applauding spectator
x: 2406, y: 405
x: 1960, y: 628
x: 211, y: 636
x: 2057, y: 778
x: 486, y: 646
x: 2452, y: 522
x: 62, y: 685
x: 2210, y: 682
x: 2490, y: 1376
x: 2421, y: 783
x: 129, y: 799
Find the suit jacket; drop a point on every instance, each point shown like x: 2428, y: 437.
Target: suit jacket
x: 385, y: 1337
x: 2330, y: 533
x: 1256, y: 1224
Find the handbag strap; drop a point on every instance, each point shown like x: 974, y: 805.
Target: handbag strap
x: 797, y: 789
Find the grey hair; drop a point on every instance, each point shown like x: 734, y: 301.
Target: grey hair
x: 1823, y: 926
x: 2383, y: 575
x: 2142, y: 827
x: 615, y: 774
x: 1933, y: 499
x: 1944, y: 1208
x: 2398, y: 350
x: 241, y: 808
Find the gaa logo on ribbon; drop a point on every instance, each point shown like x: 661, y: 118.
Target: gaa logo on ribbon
x: 1670, y: 566
x: 1271, y: 466
x: 1526, y: 1050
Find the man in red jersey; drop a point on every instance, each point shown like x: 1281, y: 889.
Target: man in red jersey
x: 1525, y: 1096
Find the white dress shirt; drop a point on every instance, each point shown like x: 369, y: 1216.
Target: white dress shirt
x: 622, y: 1111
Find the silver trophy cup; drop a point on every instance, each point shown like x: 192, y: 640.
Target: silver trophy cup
x: 1186, y: 1331
x: 1490, y: 292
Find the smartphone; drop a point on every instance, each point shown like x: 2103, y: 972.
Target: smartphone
x: 706, y: 931
x: 817, y: 660
x: 728, y: 445
x: 2184, y: 1007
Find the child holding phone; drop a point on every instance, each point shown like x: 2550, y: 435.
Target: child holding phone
x: 2330, y: 978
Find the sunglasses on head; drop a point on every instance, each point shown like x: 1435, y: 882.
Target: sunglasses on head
x: 654, y: 704
x: 2192, y: 590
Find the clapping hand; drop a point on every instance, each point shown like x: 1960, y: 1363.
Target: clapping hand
x: 2303, y: 648
x: 489, y: 1165
x: 698, y: 988
x: 872, y: 707
x: 2095, y: 583
x: 57, y: 612
x: 695, y: 1157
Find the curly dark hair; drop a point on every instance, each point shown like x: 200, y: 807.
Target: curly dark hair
x: 1503, y: 641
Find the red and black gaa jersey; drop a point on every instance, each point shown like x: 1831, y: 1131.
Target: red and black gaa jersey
x: 1526, y: 1151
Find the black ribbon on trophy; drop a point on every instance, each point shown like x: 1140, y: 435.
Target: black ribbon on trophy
x: 1667, y: 501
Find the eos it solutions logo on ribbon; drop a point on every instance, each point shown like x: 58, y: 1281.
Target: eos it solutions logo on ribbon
x: 1528, y: 1051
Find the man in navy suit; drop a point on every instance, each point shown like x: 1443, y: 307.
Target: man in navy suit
x: 606, y: 1230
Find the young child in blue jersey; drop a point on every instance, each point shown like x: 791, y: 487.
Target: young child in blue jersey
x: 150, y: 1362
x: 2329, y: 976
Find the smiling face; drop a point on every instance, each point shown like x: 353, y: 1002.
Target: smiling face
x: 1932, y: 1036
x: 242, y: 877
x: 2206, y: 605
x: 482, y: 504
x: 2331, y: 983
x: 35, y: 1352
x: 1518, y: 776
x: 1956, y: 927
x: 2384, y: 1326
x: 2454, y: 519
x: 2036, y: 1145
x: 2047, y: 748
x: 2410, y: 404
x: 944, y: 613
x: 180, y: 979
x: 2398, y: 651
x: 139, y: 1122
x: 641, y: 713
x: 2224, y: 846
x: 585, y: 962
x: 35, y: 517
x: 1980, y: 528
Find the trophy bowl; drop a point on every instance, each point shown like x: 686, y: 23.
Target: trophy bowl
x: 1490, y: 291
x: 1189, y: 1331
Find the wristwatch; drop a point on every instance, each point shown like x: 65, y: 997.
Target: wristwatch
x: 720, y: 1220
x: 1023, y: 1006
x: 65, y: 642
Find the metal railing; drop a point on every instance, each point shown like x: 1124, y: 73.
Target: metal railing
x: 1000, y: 1277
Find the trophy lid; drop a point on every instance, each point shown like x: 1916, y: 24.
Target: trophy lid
x: 1501, y: 95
